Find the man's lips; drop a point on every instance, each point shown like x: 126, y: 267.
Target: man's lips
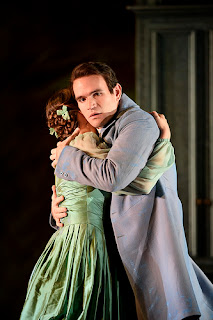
x: 94, y: 114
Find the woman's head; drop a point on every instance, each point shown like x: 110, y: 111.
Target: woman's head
x: 61, y: 113
x: 94, y: 68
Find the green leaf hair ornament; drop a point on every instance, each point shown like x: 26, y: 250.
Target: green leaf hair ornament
x: 64, y: 113
x: 52, y: 132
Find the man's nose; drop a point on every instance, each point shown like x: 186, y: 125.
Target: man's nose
x: 91, y: 103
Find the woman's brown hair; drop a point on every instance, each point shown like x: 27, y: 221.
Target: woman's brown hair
x: 62, y: 127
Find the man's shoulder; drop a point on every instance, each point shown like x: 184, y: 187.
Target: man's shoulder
x: 129, y: 109
x: 129, y: 116
x: 126, y: 103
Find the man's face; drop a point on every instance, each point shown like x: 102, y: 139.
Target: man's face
x: 94, y: 99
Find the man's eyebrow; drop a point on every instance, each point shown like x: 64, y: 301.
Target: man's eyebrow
x: 96, y: 90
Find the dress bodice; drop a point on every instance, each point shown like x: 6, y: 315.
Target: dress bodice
x: 84, y: 203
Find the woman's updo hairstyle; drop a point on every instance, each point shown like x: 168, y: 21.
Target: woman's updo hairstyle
x: 62, y: 127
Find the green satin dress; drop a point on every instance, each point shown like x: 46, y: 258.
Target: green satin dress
x: 71, y: 279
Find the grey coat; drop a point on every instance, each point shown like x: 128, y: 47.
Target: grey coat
x: 148, y: 228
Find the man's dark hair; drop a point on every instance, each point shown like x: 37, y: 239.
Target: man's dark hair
x: 94, y: 68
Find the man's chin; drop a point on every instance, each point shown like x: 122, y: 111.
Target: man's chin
x: 100, y: 122
x: 96, y: 124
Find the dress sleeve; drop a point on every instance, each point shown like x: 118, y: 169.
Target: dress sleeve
x: 91, y: 144
x: 160, y: 160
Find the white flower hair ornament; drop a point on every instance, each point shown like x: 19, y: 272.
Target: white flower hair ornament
x: 52, y: 132
x: 64, y: 113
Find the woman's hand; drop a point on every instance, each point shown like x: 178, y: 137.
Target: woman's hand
x: 162, y: 124
x: 55, y: 153
x: 57, y: 212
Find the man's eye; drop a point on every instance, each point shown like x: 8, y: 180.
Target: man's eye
x: 97, y: 94
x: 81, y: 100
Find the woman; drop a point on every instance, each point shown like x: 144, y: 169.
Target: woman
x: 72, y: 278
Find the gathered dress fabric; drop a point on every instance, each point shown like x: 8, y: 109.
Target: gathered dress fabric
x: 71, y: 279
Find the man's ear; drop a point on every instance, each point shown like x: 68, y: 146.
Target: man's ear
x: 118, y: 91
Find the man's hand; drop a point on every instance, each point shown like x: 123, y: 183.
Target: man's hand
x: 55, y: 153
x: 57, y: 212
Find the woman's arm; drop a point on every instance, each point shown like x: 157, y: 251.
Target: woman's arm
x: 161, y: 159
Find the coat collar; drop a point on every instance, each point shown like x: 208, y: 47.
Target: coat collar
x: 125, y: 104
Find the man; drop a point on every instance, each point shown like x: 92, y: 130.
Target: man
x: 148, y: 228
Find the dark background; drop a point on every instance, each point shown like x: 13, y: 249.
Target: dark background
x: 40, y: 45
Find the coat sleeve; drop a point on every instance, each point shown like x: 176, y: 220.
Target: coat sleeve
x: 135, y: 134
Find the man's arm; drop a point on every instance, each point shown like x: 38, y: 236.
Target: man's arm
x: 135, y: 138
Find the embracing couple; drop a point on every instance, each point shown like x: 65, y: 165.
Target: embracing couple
x: 114, y: 159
